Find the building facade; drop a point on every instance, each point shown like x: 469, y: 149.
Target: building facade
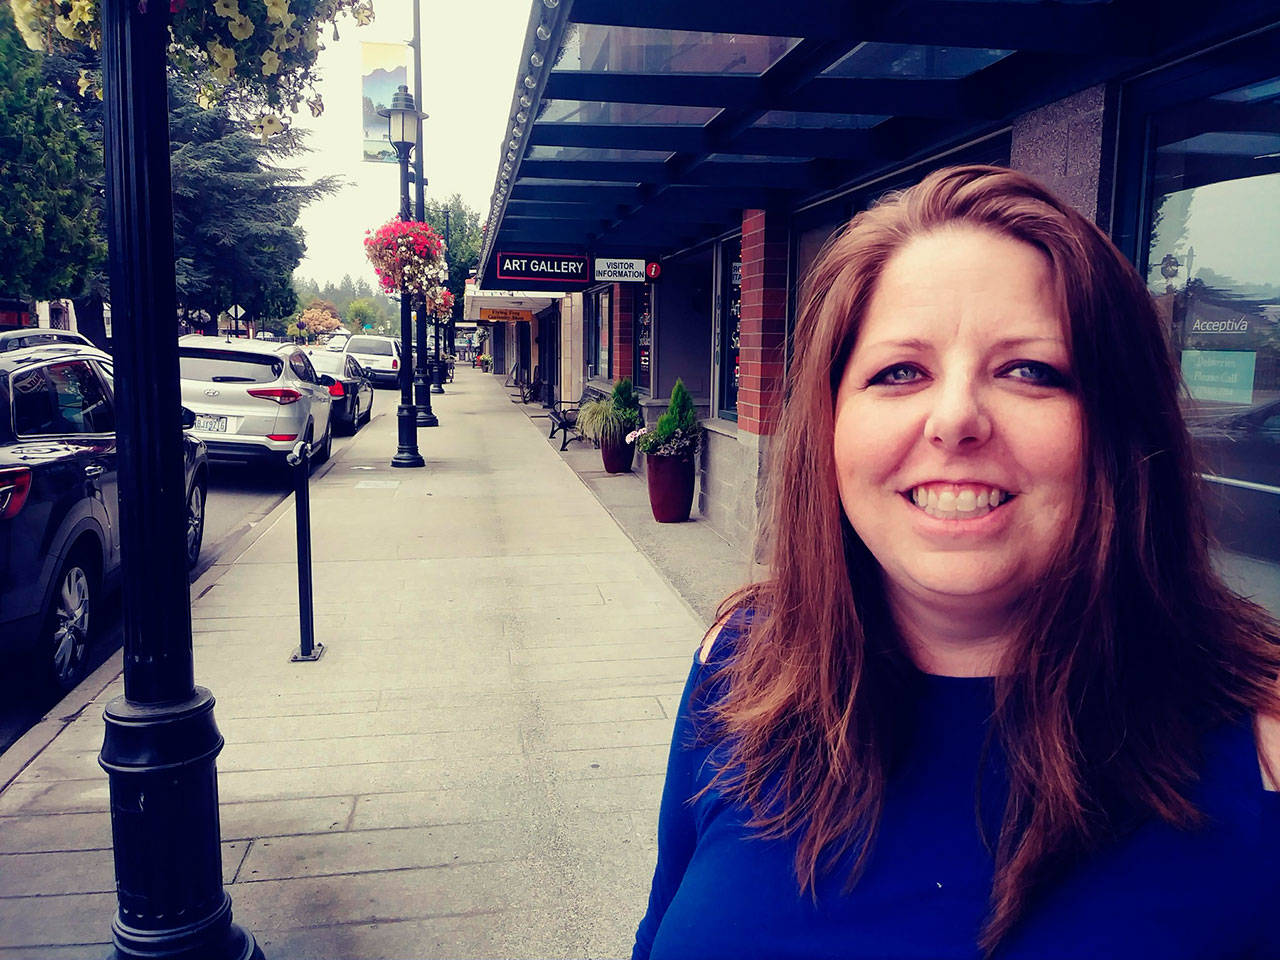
x: 722, y: 148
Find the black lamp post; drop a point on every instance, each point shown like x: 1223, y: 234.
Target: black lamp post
x: 403, y: 120
x: 437, y: 369
x: 421, y: 378
x: 161, y: 743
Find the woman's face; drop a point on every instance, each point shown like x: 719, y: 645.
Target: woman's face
x: 957, y: 423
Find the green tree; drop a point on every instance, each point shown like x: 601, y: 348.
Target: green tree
x: 461, y: 225
x: 50, y: 233
x: 367, y: 311
x: 236, y: 232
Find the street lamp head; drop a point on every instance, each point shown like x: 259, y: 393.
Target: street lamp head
x: 403, y: 119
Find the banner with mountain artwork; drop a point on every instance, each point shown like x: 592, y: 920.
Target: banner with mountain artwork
x: 384, y: 67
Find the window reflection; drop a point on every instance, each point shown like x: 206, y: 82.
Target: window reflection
x: 1213, y: 266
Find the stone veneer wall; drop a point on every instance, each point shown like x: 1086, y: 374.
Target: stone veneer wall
x: 1070, y: 145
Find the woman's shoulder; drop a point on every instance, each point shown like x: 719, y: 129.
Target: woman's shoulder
x: 724, y: 634
x: 1267, y: 734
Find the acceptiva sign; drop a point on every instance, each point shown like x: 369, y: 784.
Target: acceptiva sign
x: 545, y: 267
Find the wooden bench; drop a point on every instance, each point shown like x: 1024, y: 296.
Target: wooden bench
x: 564, y: 415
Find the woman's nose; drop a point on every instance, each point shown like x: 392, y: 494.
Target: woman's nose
x: 959, y: 418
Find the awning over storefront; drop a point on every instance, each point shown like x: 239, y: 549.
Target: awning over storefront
x: 502, y: 306
x: 639, y: 129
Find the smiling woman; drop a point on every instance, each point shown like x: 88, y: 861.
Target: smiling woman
x: 994, y: 696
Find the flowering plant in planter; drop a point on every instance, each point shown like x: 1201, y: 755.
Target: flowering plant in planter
x: 406, y: 253
x: 676, y: 434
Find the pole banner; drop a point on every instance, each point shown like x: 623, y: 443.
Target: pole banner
x: 384, y: 67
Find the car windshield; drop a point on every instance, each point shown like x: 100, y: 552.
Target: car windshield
x: 227, y: 366
x: 368, y: 345
x: 35, y: 339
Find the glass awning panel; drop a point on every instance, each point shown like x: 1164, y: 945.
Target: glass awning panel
x: 812, y: 120
x: 546, y: 152
x: 594, y: 111
x: 593, y: 47
x: 887, y: 60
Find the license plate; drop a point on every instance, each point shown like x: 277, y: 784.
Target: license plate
x: 211, y: 424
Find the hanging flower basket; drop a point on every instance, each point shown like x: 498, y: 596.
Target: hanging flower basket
x: 405, y: 254
x: 440, y: 303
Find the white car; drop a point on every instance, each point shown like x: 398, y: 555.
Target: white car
x: 253, y: 401
x: 379, y: 356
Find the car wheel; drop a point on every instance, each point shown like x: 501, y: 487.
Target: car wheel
x: 67, y: 630
x: 195, y: 523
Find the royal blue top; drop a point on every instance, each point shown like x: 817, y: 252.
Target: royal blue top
x: 719, y: 891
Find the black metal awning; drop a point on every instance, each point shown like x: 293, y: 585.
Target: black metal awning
x: 641, y: 128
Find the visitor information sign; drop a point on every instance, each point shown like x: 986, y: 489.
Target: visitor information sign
x: 620, y: 270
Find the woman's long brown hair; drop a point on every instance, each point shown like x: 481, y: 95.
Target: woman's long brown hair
x: 1129, y: 650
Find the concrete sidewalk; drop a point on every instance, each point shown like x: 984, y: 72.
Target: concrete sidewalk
x: 472, y: 770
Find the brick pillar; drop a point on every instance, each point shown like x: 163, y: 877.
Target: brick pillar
x: 622, y: 356
x: 764, y: 319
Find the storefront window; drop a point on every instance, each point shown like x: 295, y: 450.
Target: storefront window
x: 1213, y: 266
x: 730, y: 326
x: 644, y: 337
x: 598, y: 329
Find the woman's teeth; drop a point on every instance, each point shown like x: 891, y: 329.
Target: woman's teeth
x: 954, y: 502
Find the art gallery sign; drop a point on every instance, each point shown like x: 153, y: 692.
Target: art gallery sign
x: 560, y: 268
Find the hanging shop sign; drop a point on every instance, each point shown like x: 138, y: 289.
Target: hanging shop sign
x: 653, y: 270
x: 502, y: 315
x: 543, y: 267
x: 620, y: 270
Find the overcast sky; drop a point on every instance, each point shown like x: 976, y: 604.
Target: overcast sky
x: 470, y: 55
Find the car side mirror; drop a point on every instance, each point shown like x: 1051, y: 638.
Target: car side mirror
x: 326, y: 380
x: 188, y: 419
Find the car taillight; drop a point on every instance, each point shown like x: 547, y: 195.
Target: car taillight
x: 335, y: 390
x: 282, y: 436
x: 280, y: 395
x: 14, y: 486
x: 395, y: 364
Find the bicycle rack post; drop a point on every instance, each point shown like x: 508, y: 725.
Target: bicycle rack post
x: 300, y: 460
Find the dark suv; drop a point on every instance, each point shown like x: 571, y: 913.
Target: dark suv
x: 59, y: 522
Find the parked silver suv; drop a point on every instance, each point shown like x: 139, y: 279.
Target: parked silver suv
x: 252, y: 400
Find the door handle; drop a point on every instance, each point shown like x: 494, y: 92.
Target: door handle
x: 93, y: 471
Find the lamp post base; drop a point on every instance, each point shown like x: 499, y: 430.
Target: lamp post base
x: 160, y: 764
x: 436, y: 388
x: 426, y: 418
x: 407, y: 454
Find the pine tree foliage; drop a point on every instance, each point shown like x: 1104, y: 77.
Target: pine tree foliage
x: 50, y: 231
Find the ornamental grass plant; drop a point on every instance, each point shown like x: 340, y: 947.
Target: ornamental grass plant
x: 611, y: 418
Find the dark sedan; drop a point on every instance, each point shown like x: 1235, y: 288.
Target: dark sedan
x: 59, y: 519
x: 352, y: 392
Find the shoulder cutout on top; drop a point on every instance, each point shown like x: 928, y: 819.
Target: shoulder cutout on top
x: 1268, y: 734
x: 704, y: 652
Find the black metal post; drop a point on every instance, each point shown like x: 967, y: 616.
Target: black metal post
x: 437, y: 370
x: 422, y: 376
x: 422, y: 386
x: 406, y: 414
x: 161, y: 743
x: 308, y: 649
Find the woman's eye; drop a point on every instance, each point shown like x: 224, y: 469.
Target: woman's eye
x: 1032, y: 371
x: 899, y: 373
